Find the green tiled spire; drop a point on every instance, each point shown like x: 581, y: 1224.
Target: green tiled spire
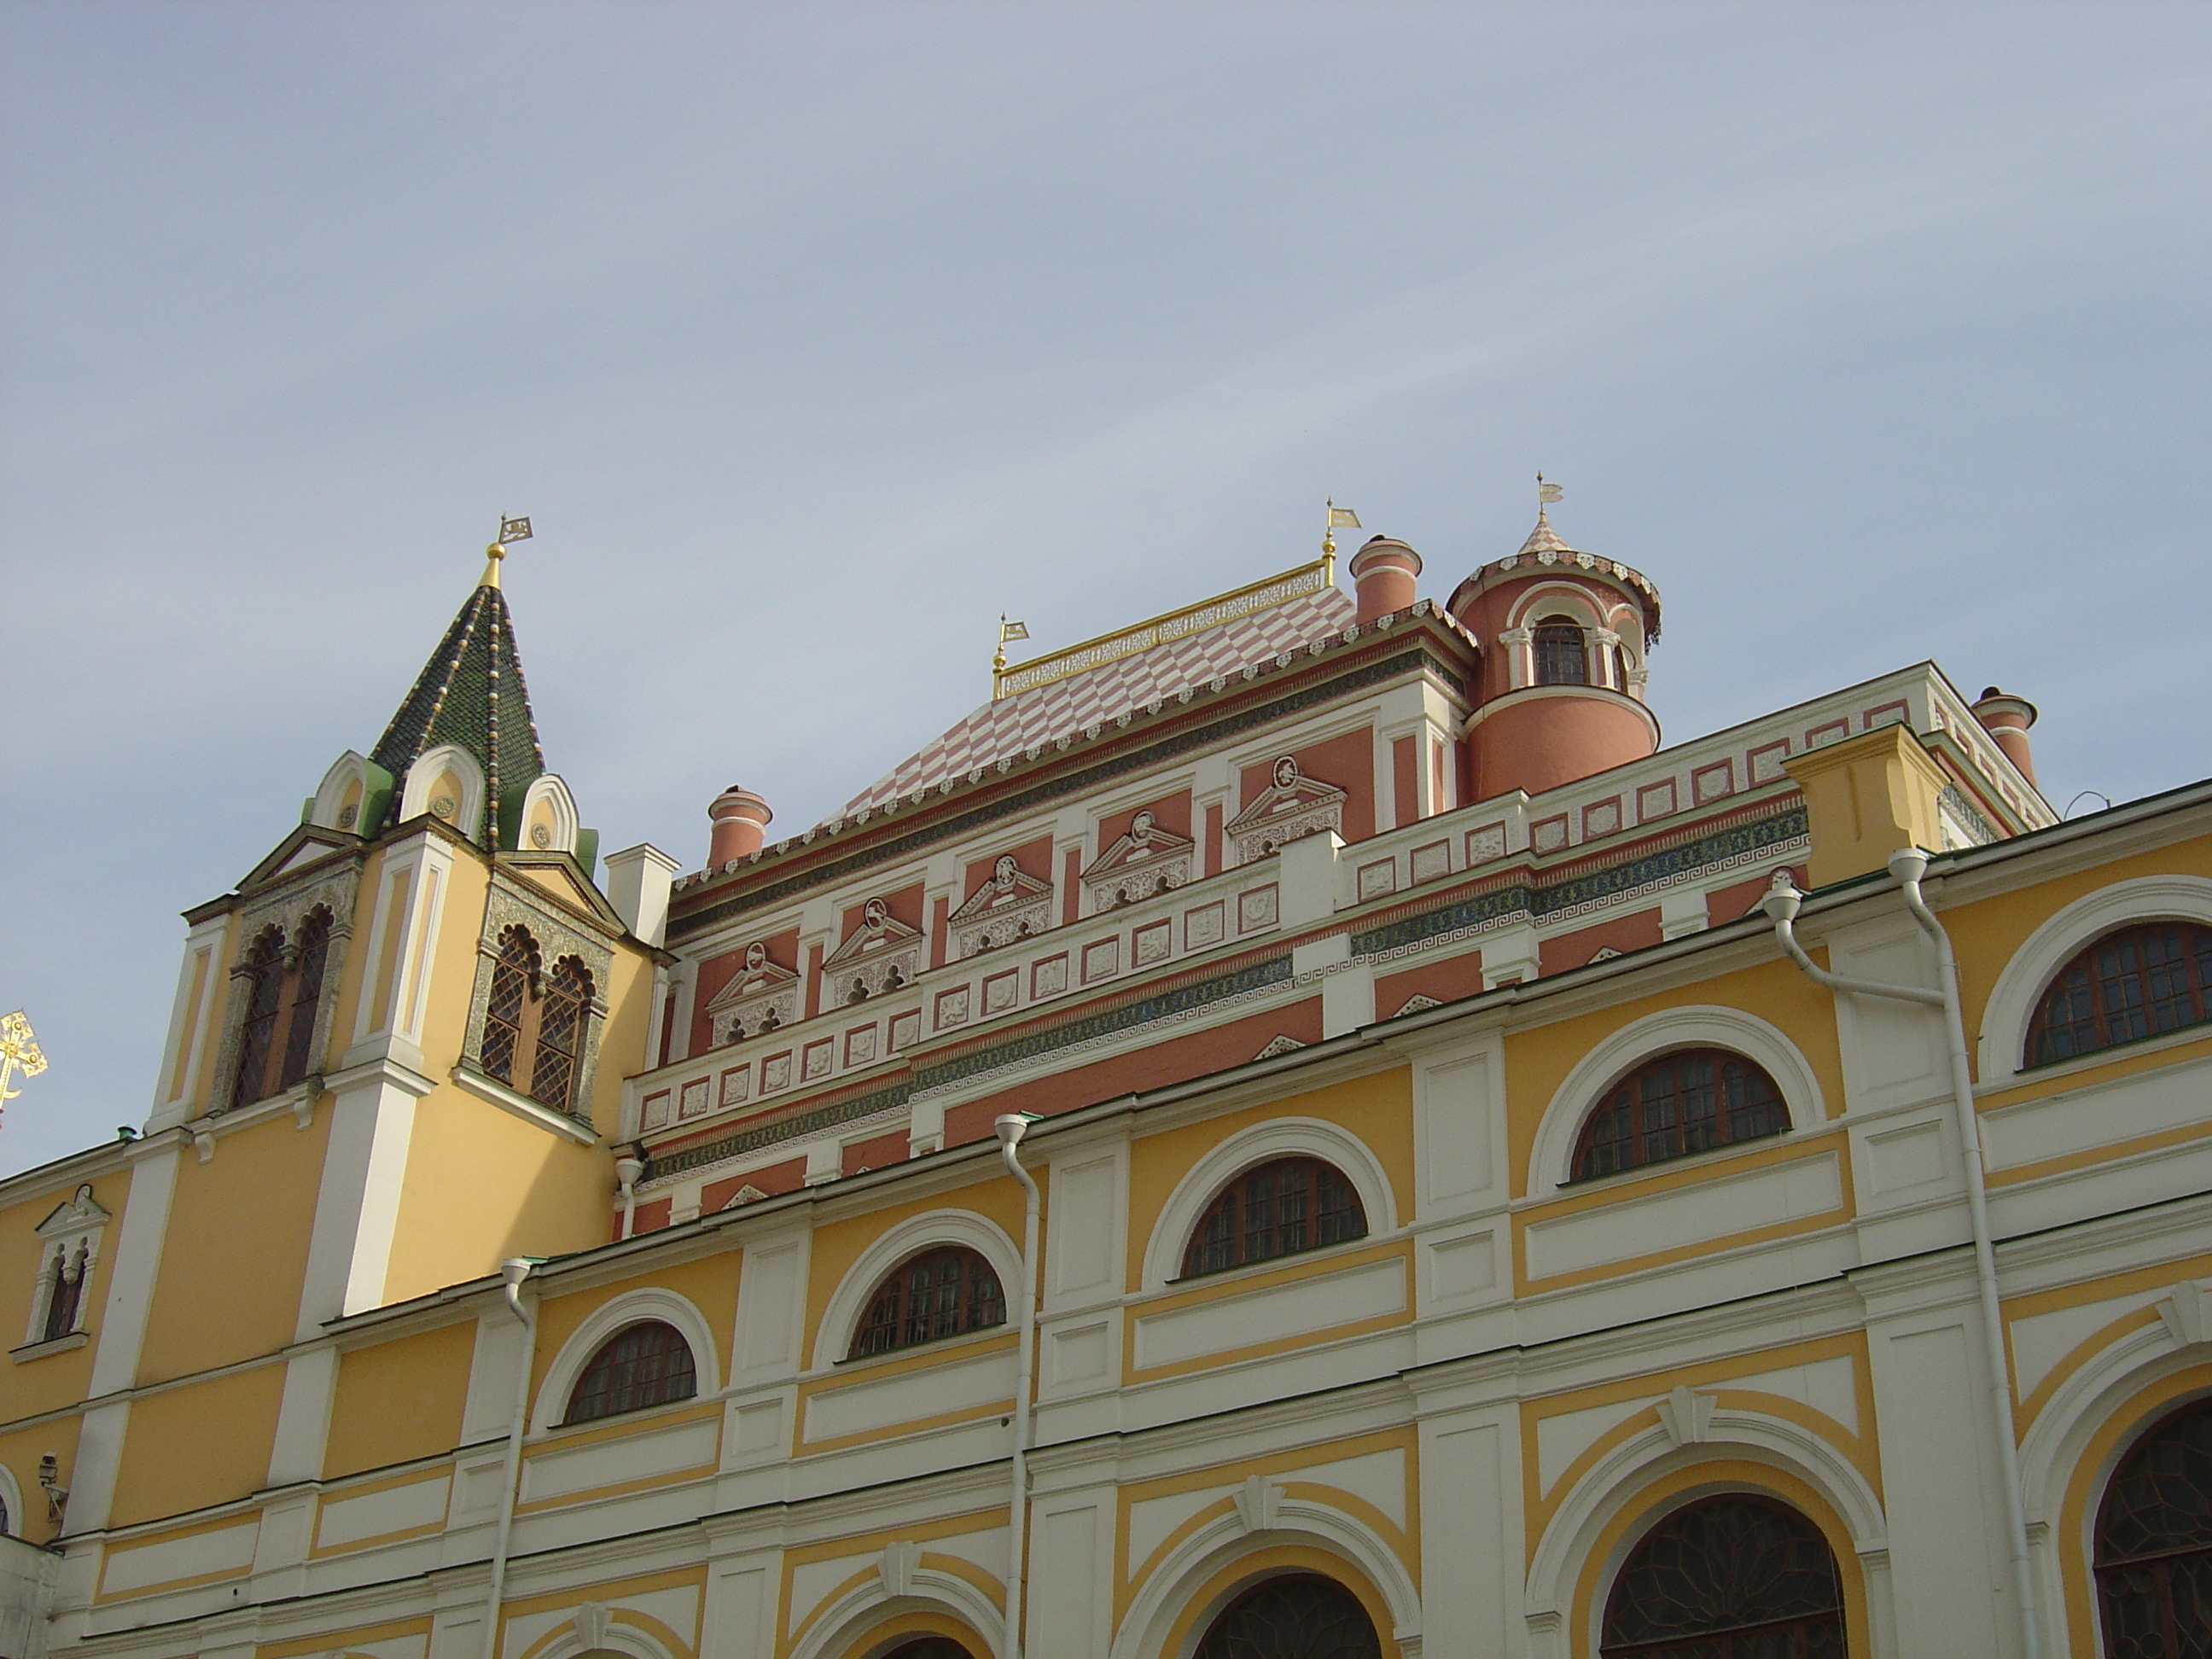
x: 470, y: 694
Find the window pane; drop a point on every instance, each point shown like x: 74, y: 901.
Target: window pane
x: 1283, y: 1206
x: 2129, y: 985
x: 647, y: 1364
x: 1734, y: 1563
x: 1687, y: 1101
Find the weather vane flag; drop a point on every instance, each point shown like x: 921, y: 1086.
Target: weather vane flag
x: 511, y: 531
x: 1333, y: 518
x: 1007, y: 630
x: 1546, y: 493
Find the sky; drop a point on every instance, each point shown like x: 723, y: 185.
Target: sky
x: 812, y: 337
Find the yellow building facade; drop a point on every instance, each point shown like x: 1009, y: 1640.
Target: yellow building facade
x: 1739, y: 1197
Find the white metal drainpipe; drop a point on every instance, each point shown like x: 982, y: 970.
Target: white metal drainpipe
x: 627, y: 1170
x: 1908, y: 866
x: 514, y: 1271
x: 1010, y: 1129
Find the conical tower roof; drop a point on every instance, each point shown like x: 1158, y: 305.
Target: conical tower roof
x: 470, y: 694
x: 1543, y: 538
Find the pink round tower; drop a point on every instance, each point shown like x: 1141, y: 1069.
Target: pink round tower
x: 1561, y: 693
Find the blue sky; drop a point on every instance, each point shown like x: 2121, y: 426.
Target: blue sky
x: 813, y: 336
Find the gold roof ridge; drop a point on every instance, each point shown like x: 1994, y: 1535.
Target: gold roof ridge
x: 1247, y: 600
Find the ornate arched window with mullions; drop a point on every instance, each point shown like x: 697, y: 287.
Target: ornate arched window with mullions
x: 283, y: 994
x: 2154, y: 1542
x: 1689, y: 1101
x: 941, y: 1292
x: 1562, y: 658
x: 1283, y: 1206
x: 1300, y: 1616
x: 1731, y: 1577
x: 535, y: 1023
x: 2133, y: 983
x: 648, y: 1364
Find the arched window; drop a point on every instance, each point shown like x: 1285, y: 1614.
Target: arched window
x: 64, y: 1293
x: 264, y: 989
x: 2155, y: 1541
x: 929, y: 1647
x: 1302, y: 1616
x: 1732, y: 1577
x: 1687, y: 1101
x: 283, y: 992
x: 2133, y: 983
x: 534, y: 1024
x: 1289, y: 1204
x: 308, y: 962
x: 644, y: 1364
x: 1561, y: 656
x: 940, y: 1292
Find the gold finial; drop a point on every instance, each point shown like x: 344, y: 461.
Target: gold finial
x: 19, y: 1052
x: 1334, y: 517
x: 510, y: 530
x: 1545, y: 495
x: 1007, y: 630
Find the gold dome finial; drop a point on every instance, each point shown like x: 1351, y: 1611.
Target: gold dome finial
x: 510, y: 530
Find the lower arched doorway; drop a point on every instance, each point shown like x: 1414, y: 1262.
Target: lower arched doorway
x: 1733, y: 1576
x: 2155, y: 1541
x: 1297, y: 1616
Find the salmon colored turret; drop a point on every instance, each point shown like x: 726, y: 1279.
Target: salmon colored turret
x: 740, y: 817
x: 1562, y: 634
x: 1383, y: 573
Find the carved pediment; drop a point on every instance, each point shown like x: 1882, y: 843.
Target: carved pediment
x: 1010, y: 904
x: 761, y: 996
x: 1146, y: 861
x: 880, y: 954
x: 1292, y: 807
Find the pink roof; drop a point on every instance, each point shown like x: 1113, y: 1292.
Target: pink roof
x: 1015, y: 725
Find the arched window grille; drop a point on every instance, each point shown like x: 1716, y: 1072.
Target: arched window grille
x: 308, y: 963
x: 1562, y: 658
x: 512, y: 976
x: 648, y: 1364
x: 535, y: 1023
x: 1283, y: 1206
x: 940, y: 1292
x: 1690, y: 1101
x: 265, y: 991
x: 2133, y: 983
x: 1299, y: 1616
x: 284, y: 993
x: 1732, y: 1577
x: 2153, y: 1552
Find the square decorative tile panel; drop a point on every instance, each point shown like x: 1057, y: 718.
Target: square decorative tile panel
x: 1048, y: 978
x: 1431, y: 861
x: 819, y: 1059
x: 1257, y: 909
x: 1208, y: 925
x: 694, y: 1099
x: 1155, y: 943
x: 952, y: 1007
x: 1002, y: 991
x: 653, y: 1115
x: 1102, y: 960
x: 1378, y: 879
x: 736, y: 1084
x: 1485, y: 844
x: 1654, y: 800
x: 775, y: 1072
x: 906, y: 1031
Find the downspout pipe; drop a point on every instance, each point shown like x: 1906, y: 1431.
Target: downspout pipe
x: 1908, y: 866
x: 514, y: 1271
x: 1010, y: 1129
x: 626, y: 1171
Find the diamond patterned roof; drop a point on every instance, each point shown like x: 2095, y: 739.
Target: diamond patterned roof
x: 1013, y: 726
x: 470, y: 694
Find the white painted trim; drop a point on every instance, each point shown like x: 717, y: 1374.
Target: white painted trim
x: 549, y: 787
x: 842, y: 1315
x: 2004, y: 1040
x: 12, y: 1495
x: 1689, y: 1027
x: 138, y: 1263
x: 1618, y: 1481
x: 607, y: 1633
x: 189, y: 1026
x: 534, y: 1113
x: 1167, y: 1594
x: 411, y: 995
x: 415, y: 792
x: 586, y: 1339
x: 838, y: 1623
x: 329, y: 794
x: 1287, y: 1137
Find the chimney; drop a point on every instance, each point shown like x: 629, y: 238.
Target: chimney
x: 637, y: 886
x: 1383, y: 572
x: 738, y: 816
x: 2006, y: 718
